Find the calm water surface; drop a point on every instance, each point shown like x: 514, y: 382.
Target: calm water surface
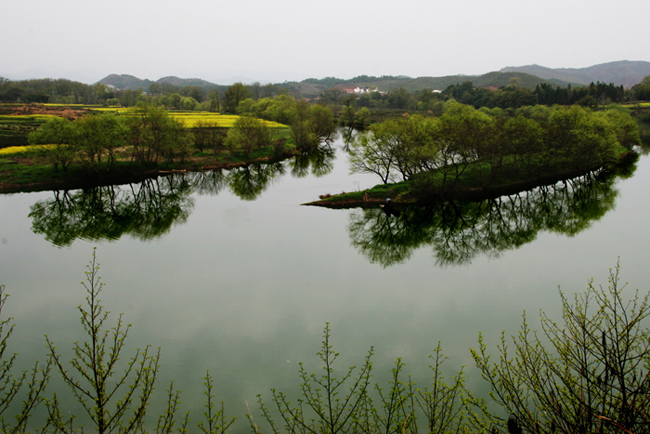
x: 244, y: 288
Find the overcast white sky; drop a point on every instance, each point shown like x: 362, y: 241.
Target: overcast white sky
x: 280, y: 40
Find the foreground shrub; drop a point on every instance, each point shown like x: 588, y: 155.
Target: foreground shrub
x: 330, y: 404
x: 114, y: 401
x: 33, y: 381
x: 587, y: 373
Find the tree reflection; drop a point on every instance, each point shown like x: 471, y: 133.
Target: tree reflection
x: 149, y: 209
x: 210, y: 182
x: 146, y: 210
x: 248, y: 182
x: 319, y: 159
x: 459, y: 231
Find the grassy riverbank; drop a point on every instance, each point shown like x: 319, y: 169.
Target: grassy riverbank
x: 29, y: 168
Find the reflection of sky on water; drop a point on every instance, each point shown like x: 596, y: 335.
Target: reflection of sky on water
x: 244, y: 288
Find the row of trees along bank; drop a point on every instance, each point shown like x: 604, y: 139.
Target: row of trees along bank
x: 150, y: 134
x: 468, y: 147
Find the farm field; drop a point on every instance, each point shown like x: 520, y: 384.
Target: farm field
x: 18, y: 120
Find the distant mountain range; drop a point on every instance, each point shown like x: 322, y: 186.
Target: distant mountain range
x: 125, y: 81
x: 626, y: 73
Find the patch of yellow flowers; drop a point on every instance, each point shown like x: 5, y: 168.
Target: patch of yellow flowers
x: 24, y: 149
x: 191, y: 119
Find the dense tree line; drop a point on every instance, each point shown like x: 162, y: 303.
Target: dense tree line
x: 533, y: 142
x: 227, y: 99
x: 192, y: 97
x: 642, y: 90
x: 310, y: 123
x: 152, y: 135
x: 149, y: 131
x: 512, y: 96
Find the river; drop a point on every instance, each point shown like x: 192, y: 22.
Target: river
x: 239, y: 279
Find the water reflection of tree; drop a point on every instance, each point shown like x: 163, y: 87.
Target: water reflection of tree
x: 248, y: 182
x: 210, y: 182
x: 144, y: 211
x: 459, y: 231
x: 320, y: 160
x: 149, y: 209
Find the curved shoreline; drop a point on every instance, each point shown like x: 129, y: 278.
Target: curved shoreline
x: 469, y: 194
x: 127, y: 177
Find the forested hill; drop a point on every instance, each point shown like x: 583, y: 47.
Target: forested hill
x: 125, y: 81
x: 311, y: 87
x: 626, y: 73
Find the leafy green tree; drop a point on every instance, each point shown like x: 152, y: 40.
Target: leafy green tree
x: 402, y: 99
x: 301, y: 130
x: 331, y: 96
x: 197, y: 93
x: 280, y: 109
x: 349, y: 109
x: 321, y: 122
x: 396, y: 148
x: 463, y: 133
x: 235, y: 94
x: 311, y: 124
x: 129, y: 97
x: 426, y: 97
x: 97, y: 135
x: 153, y: 133
x: 585, y: 373
x: 115, y: 396
x: 370, y: 153
x: 245, y: 107
x: 518, y: 138
x: 577, y: 135
x: 215, y: 104
x: 642, y: 90
x: 247, y: 134
x: 59, y: 133
x: 625, y: 128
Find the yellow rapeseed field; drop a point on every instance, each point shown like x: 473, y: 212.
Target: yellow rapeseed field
x: 191, y: 119
x: 224, y: 121
x: 23, y: 149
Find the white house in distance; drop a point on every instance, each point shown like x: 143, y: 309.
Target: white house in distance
x: 360, y: 90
